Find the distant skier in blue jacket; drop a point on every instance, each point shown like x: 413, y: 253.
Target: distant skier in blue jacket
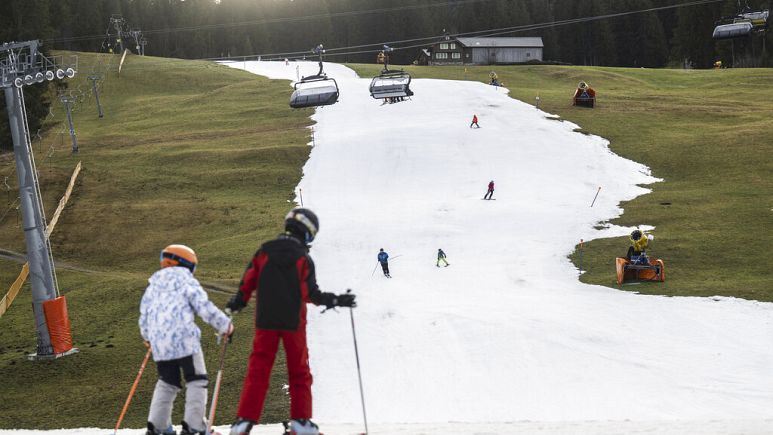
x: 383, y: 258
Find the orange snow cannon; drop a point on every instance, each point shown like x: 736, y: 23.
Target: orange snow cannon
x: 655, y: 270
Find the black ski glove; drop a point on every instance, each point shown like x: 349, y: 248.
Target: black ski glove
x: 331, y: 300
x: 346, y: 300
x: 235, y: 304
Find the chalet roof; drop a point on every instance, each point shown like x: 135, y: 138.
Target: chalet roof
x: 501, y: 42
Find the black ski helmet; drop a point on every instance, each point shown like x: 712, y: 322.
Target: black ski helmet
x: 302, y: 222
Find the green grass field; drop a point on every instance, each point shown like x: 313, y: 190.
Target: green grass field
x: 188, y: 152
x: 196, y: 153
x: 706, y: 133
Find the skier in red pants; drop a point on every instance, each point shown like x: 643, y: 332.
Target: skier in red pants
x: 474, y: 121
x: 282, y: 276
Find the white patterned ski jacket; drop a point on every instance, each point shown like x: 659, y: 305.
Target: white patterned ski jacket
x: 167, y: 314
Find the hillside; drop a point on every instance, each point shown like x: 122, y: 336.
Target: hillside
x: 188, y: 152
x: 202, y: 154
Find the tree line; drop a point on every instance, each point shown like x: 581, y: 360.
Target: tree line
x: 198, y: 29
x: 201, y: 29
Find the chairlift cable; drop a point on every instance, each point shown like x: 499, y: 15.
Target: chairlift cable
x: 479, y: 33
x: 279, y: 20
x: 349, y: 50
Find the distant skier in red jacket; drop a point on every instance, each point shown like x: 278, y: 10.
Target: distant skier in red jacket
x: 490, y: 191
x: 474, y: 121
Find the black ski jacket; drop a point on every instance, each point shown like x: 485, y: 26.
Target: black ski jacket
x: 282, y: 276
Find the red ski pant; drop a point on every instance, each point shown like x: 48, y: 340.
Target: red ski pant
x: 264, y: 348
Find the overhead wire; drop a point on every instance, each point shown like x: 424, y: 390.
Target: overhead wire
x: 478, y: 33
x: 280, y: 20
x: 354, y: 49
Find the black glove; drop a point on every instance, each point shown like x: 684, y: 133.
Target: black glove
x: 329, y: 300
x: 345, y: 300
x: 235, y: 304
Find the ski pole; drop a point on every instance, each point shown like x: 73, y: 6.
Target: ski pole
x: 594, y: 198
x: 131, y: 392
x: 374, y: 268
x: 359, y: 374
x: 216, y: 391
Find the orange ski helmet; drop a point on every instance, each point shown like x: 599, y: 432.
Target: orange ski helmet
x: 179, y: 255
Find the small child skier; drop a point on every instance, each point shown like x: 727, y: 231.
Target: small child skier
x: 167, y: 311
x: 474, y: 121
x: 490, y: 191
x: 441, y: 256
x: 281, y: 274
x: 383, y: 258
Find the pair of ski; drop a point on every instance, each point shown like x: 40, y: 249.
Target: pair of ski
x: 215, y: 393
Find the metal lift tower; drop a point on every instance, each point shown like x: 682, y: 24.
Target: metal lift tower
x: 22, y: 65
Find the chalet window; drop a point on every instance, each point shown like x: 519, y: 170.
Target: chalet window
x: 441, y: 55
x: 452, y: 46
x: 528, y: 54
x: 456, y: 55
x: 444, y: 46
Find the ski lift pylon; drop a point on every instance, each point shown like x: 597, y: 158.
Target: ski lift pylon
x: 390, y: 84
x: 316, y: 90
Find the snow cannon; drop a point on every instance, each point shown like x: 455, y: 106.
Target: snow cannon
x: 634, y: 271
x: 584, y: 96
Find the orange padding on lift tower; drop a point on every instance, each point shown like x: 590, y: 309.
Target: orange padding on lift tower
x: 58, y: 324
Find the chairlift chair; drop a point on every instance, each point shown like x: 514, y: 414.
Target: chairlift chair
x: 742, y: 24
x: 733, y: 30
x: 316, y: 90
x: 390, y: 83
x: 759, y: 19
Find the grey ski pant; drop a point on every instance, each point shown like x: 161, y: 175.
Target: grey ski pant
x: 169, y: 384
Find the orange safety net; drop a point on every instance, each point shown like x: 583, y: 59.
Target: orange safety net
x: 58, y: 324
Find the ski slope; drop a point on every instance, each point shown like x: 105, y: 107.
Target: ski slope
x: 506, y: 333
x: 506, y: 339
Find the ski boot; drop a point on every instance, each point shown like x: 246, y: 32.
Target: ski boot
x: 300, y: 427
x: 153, y: 431
x: 241, y: 427
x: 186, y: 430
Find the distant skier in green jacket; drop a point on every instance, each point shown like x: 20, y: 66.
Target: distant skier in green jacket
x: 441, y: 256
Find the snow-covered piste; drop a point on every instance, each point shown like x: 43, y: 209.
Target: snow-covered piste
x: 507, y: 332
x: 505, y: 339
